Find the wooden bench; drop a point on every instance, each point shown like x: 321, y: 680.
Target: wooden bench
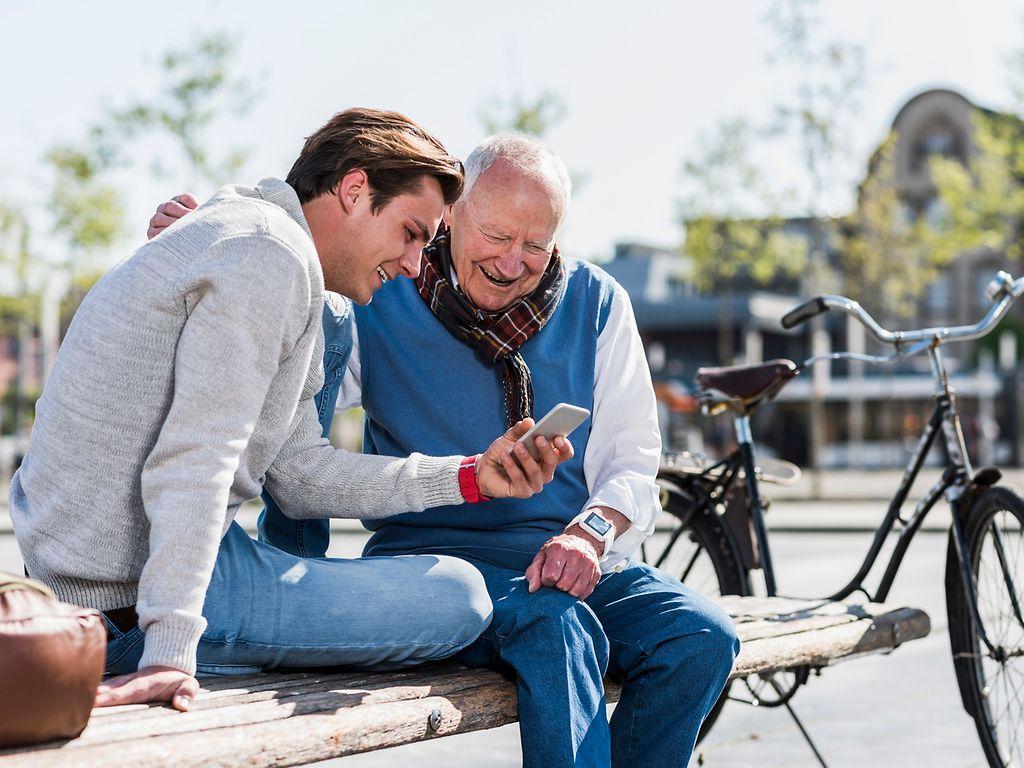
x: 292, y: 719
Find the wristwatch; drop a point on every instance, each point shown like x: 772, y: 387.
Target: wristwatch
x: 594, y: 523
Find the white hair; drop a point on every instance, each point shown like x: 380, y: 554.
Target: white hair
x: 530, y: 155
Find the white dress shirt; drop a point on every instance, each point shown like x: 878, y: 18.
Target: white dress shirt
x: 624, y: 448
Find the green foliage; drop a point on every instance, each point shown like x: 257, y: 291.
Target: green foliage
x: 733, y: 217
x: 15, y: 239
x: 88, y: 211
x: 727, y: 230
x: 521, y: 115
x: 17, y: 406
x: 17, y: 263
x: 982, y: 202
x: 197, y: 91
x: 885, y: 253
x: 81, y: 284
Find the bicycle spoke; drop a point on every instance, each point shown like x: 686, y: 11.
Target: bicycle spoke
x: 1005, y: 568
x: 1010, y: 699
x: 1013, y: 732
x: 689, y: 565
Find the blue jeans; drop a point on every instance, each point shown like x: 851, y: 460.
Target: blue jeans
x: 267, y: 609
x: 672, y: 648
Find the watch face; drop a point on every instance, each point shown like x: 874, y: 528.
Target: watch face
x: 598, y: 523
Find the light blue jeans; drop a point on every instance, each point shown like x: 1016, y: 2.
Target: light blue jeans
x: 267, y: 609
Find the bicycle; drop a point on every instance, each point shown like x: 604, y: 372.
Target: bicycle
x: 719, y: 510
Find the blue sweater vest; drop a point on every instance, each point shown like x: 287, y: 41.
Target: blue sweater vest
x: 425, y: 391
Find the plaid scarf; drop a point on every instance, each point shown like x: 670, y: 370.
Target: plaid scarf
x: 495, y: 336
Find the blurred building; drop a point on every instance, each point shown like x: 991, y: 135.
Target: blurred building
x: 871, y: 412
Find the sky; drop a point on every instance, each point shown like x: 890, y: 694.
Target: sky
x: 640, y: 81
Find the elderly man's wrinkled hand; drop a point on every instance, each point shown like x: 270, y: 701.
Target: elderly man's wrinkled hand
x: 167, y: 213
x: 517, y: 474
x: 566, y: 562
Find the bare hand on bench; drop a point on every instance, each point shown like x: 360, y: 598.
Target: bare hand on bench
x: 149, y: 684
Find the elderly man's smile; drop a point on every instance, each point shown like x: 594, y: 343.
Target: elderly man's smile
x: 493, y: 278
x: 383, y: 275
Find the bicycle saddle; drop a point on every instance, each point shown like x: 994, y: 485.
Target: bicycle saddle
x: 747, y: 383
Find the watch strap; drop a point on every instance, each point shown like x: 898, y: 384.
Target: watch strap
x: 581, y: 520
x: 467, y: 481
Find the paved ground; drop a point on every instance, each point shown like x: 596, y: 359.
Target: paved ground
x: 900, y: 709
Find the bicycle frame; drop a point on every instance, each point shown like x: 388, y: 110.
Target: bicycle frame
x: 718, y: 488
x: 955, y: 483
x: 958, y: 483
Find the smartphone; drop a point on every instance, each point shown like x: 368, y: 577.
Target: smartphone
x: 559, y: 421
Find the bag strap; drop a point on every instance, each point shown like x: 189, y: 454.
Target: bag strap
x: 9, y: 582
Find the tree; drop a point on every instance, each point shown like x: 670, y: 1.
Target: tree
x: 884, y: 249
x: 16, y: 262
x: 16, y: 307
x: 731, y: 224
x: 84, y: 203
x: 731, y: 218
x: 829, y: 79
x: 197, y: 91
x: 522, y: 115
x: 87, y: 209
x: 982, y: 202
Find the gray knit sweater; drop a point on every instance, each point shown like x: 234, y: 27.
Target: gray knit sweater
x: 185, y: 383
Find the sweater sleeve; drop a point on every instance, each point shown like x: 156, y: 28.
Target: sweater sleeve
x: 310, y: 478
x: 248, y: 301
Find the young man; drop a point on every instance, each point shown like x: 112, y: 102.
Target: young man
x: 186, y: 383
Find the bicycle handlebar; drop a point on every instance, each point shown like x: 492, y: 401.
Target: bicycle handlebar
x: 1002, y: 291
x: 804, y: 312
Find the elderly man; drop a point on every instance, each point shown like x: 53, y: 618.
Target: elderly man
x: 497, y: 326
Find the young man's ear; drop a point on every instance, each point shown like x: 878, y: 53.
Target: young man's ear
x: 353, y: 189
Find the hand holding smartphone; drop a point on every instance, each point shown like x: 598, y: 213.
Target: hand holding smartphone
x: 558, y: 422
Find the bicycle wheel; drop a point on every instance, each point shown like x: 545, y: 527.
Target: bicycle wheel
x: 703, y: 555
x: 992, y: 679
x: 704, y: 558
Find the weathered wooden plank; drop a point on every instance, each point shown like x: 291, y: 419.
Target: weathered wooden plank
x: 298, y: 740
x: 830, y: 644
x: 265, y: 707
x: 291, y: 719
x: 284, y: 686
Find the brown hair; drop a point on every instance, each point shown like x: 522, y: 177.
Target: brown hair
x: 394, y: 151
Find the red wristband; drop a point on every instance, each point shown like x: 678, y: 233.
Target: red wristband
x: 467, y: 481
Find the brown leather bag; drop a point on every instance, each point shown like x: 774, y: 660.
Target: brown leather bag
x: 51, y: 660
